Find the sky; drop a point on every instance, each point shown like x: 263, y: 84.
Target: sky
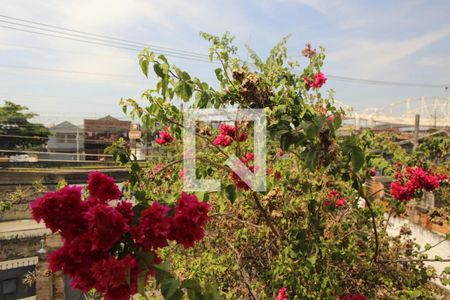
x: 60, y: 79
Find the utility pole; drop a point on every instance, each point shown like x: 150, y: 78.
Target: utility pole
x: 78, y: 144
x: 416, y: 131
x: 435, y: 125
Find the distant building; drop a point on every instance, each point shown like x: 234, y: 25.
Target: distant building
x: 101, y: 133
x: 65, y: 138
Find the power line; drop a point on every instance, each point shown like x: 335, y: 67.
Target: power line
x: 108, y: 41
x: 66, y: 71
x: 108, y: 37
x: 382, y: 82
x: 106, y: 44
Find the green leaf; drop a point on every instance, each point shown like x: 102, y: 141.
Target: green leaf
x: 310, y: 158
x: 357, y: 158
x: 163, y: 267
x: 219, y: 75
x: 311, y: 131
x: 447, y: 270
x: 141, y: 282
x: 427, y: 247
x: 192, y: 283
x: 211, y: 292
x: 230, y: 192
x: 169, y: 288
x: 184, y: 90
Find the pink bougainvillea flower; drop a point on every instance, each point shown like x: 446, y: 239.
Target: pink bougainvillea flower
x: 243, y: 136
x: 317, y: 82
x: 222, y: 140
x: 102, y: 188
x: 105, y: 226
x: 340, y: 202
x: 61, y: 211
x: 227, y: 134
x: 414, y: 179
x: 334, y: 197
x: 277, y: 175
x: 188, y: 222
x: 153, y: 228
x: 125, y: 208
x: 228, y: 130
x: 164, y: 137
x: 282, y: 294
x: 247, y: 159
x: 111, y: 277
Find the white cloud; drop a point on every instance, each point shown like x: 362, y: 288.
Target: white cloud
x: 434, y: 61
x: 370, y: 57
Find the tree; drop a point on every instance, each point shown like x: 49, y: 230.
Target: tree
x: 16, y: 130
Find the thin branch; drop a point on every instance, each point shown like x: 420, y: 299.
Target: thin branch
x: 375, y: 230
x: 225, y: 69
x: 235, y: 218
x: 265, y: 215
x: 412, y: 260
x: 238, y: 259
x: 168, y: 165
x: 437, y: 244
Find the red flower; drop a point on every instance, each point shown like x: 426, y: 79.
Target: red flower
x: 111, y: 277
x: 164, y: 137
x: 334, y: 196
x: 228, y: 134
x: 278, y: 175
x: 75, y: 258
x: 102, y: 188
x: 402, y: 192
x: 282, y: 294
x: 243, y: 136
x: 340, y: 202
x: 317, y: 82
x: 189, y: 220
x: 222, y: 140
x: 153, y: 229
x: 105, y: 226
x: 240, y: 184
x: 125, y: 208
x: 248, y: 158
x: 226, y: 129
x: 414, y: 179
x: 61, y: 211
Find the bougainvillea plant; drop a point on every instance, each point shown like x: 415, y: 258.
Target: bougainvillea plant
x: 316, y: 233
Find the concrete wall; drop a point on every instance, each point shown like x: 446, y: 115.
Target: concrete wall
x: 422, y: 237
